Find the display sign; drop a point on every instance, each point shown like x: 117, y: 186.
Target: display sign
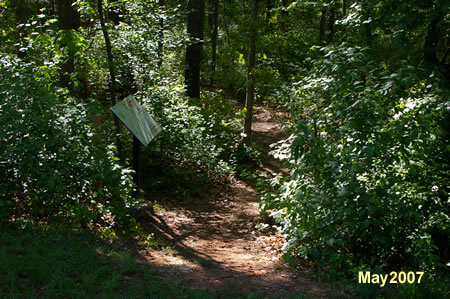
x: 137, y: 120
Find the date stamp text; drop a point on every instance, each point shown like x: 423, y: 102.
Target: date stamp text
x: 392, y: 278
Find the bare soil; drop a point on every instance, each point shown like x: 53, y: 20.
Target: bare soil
x: 213, y: 241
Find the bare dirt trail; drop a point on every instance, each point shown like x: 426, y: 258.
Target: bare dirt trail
x: 214, y: 242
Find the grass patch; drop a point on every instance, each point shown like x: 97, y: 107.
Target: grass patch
x: 204, y: 262
x: 168, y: 250
x: 48, y: 262
x: 39, y: 261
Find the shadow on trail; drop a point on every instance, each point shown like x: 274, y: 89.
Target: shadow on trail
x: 200, y: 269
x: 267, y: 130
x: 209, y: 241
x: 203, y: 219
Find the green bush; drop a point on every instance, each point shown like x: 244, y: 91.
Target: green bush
x: 369, y: 185
x: 190, y: 137
x: 49, y: 163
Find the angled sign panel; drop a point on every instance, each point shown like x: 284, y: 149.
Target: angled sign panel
x: 137, y: 120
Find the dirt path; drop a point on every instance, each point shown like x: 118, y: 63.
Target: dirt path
x: 214, y: 242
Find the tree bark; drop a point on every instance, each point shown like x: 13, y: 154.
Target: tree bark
x: 366, y: 11
x: 344, y: 8
x: 196, y: 15
x: 331, y: 21
x: 284, y: 15
x: 323, y: 15
x: 68, y: 19
x: 368, y: 31
x: 430, y: 47
x: 215, y: 24
x: 137, y: 165
x: 434, y: 36
x: 111, y: 71
x: 20, y: 9
x: 161, y: 34
x: 250, y: 94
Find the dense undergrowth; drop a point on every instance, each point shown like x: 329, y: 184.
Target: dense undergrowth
x: 368, y: 153
x: 50, y: 163
x: 59, y: 151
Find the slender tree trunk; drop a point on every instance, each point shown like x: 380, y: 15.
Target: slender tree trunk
x: 137, y: 165
x: 431, y: 41
x: 250, y: 94
x: 68, y: 20
x: 434, y: 35
x: 111, y: 71
x: 282, y: 46
x: 367, y: 26
x: 344, y: 8
x: 284, y: 15
x: 215, y: 24
x: 196, y: 15
x: 21, y: 18
x: 331, y: 21
x: 368, y: 31
x: 51, y: 5
x: 209, y: 10
x: 161, y: 35
x: 226, y: 66
x: 323, y: 15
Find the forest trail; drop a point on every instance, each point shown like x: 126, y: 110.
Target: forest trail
x: 214, y: 242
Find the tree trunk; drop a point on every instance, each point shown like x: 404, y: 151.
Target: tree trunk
x: 196, y: 15
x: 215, y: 24
x: 209, y: 10
x: 137, y: 165
x: 366, y: 26
x: 323, y: 16
x: 430, y: 45
x: 51, y: 4
x: 433, y: 35
x: 331, y: 21
x: 368, y: 31
x: 284, y: 15
x: 20, y: 8
x: 111, y: 71
x: 68, y: 20
x: 161, y: 34
x: 249, y: 97
x: 344, y: 8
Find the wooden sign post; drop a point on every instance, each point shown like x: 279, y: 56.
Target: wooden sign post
x: 140, y: 123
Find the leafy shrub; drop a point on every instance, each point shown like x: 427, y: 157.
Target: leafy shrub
x: 188, y: 136
x: 369, y: 185
x: 49, y: 162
